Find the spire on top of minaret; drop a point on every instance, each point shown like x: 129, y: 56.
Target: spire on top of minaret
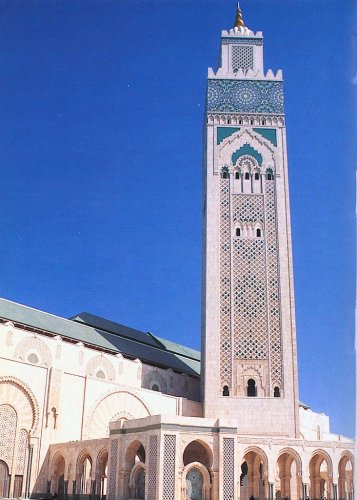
x: 239, y: 23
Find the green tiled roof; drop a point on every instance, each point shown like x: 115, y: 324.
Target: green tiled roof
x: 103, y: 334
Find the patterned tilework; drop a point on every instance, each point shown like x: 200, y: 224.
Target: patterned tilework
x: 255, y: 311
x: 242, y: 41
x: 273, y: 285
x: 169, y: 467
x: 112, y: 481
x: 225, y: 285
x: 245, y: 96
x: 249, y: 283
x: 8, y: 419
x: 228, y: 468
x: 152, y: 468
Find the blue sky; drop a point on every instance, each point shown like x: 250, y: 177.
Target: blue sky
x: 102, y: 108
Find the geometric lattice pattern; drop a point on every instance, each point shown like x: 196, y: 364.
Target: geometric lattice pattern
x: 168, y: 492
x: 249, y: 282
x: 8, y: 419
x: 273, y: 285
x: 242, y: 57
x: 228, y: 468
x: 152, y: 468
x: 225, y: 286
x: 245, y: 96
x: 21, y: 452
x: 250, y: 323
x: 113, y: 466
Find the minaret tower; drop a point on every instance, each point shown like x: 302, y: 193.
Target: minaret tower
x: 248, y: 338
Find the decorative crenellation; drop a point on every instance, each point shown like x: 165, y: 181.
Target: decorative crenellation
x: 225, y: 283
x: 242, y: 32
x: 245, y: 96
x: 261, y: 120
x: 152, y: 468
x: 228, y: 468
x: 245, y: 75
x: 169, y: 467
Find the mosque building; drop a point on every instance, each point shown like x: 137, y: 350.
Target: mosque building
x: 92, y: 409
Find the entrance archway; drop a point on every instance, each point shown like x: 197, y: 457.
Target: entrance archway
x: 134, y: 484
x: 137, y: 482
x: 254, y: 475
x: 84, y: 470
x: 320, y: 475
x: 58, y: 468
x: 194, y: 484
x: 102, y: 473
x: 345, y: 477
x: 289, y: 483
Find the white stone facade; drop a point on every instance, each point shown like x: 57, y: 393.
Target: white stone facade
x: 82, y: 418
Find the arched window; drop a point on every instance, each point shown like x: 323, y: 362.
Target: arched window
x: 251, y: 388
x: 238, y: 231
x: 229, y: 121
x: 252, y: 122
x: 263, y: 122
x: 269, y: 176
x: 246, y: 175
x: 276, y: 392
x: 259, y: 233
x: 225, y: 390
x: 237, y: 175
x: 225, y: 175
x: 256, y: 176
x: 240, y: 121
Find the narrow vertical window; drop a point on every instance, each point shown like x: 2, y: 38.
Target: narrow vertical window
x: 237, y: 175
x: 256, y: 177
x: 259, y: 233
x: 238, y: 231
x: 225, y: 175
x: 225, y: 390
x: 251, y: 388
x: 246, y: 175
x: 276, y: 392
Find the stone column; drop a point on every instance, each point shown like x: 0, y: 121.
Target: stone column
x: 271, y: 491
x: 304, y: 491
x: 28, y: 471
x: 334, y: 486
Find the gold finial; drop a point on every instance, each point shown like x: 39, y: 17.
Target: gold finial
x: 239, y: 23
